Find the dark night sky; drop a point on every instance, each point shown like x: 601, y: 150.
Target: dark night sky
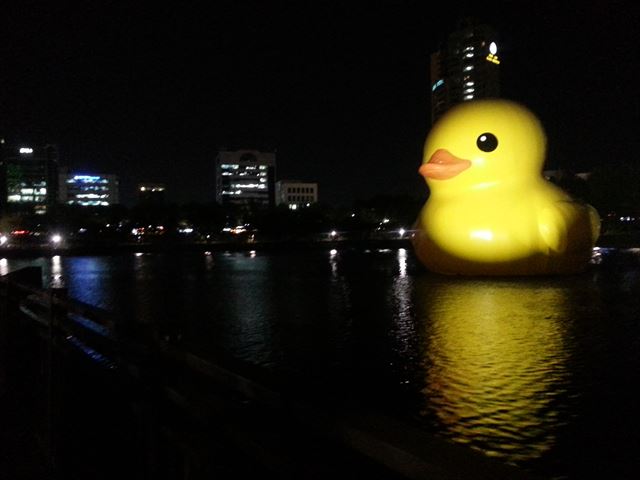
x: 340, y: 89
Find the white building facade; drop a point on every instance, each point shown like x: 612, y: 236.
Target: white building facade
x: 296, y: 194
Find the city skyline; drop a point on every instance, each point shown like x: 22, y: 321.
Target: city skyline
x: 340, y: 92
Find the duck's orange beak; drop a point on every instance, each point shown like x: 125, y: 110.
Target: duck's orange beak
x: 443, y: 165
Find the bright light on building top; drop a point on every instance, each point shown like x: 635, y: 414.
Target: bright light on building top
x: 87, y: 178
x: 24, y: 150
x: 492, y: 57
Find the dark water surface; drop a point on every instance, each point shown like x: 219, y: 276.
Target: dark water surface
x: 540, y: 372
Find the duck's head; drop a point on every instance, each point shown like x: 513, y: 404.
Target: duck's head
x: 483, y: 143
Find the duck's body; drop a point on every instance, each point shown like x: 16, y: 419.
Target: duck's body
x: 491, y: 212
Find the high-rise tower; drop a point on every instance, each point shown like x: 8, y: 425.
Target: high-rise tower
x: 28, y: 177
x: 465, y: 67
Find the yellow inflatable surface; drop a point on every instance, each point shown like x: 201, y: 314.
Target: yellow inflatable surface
x: 490, y: 211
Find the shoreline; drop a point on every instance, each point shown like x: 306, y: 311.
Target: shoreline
x: 620, y: 241
x: 271, y: 246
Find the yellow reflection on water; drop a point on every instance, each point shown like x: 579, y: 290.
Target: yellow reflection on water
x: 496, y: 363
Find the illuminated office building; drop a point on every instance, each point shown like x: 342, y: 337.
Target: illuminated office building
x: 466, y: 67
x: 28, y: 177
x: 296, y: 194
x: 88, y: 190
x: 245, y: 177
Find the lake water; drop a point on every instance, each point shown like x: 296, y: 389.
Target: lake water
x: 539, y: 372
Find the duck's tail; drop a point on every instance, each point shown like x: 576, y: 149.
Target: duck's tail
x: 594, y: 220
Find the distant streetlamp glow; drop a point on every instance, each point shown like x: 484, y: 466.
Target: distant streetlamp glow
x: 56, y: 239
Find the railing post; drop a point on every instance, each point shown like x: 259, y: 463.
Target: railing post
x: 57, y: 315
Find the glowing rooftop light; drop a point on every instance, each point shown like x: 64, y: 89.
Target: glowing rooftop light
x: 56, y: 238
x: 26, y: 150
x: 493, y: 48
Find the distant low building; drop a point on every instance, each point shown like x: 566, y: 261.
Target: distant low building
x: 28, y: 177
x: 296, y: 194
x: 88, y: 190
x: 557, y: 176
x: 151, y: 193
x: 245, y: 178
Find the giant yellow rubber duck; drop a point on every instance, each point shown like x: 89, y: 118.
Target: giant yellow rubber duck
x: 490, y: 210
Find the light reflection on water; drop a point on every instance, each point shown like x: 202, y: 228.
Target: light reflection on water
x: 495, y: 361
x: 528, y: 370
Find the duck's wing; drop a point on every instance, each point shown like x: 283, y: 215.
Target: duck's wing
x: 552, y: 226
x: 568, y: 225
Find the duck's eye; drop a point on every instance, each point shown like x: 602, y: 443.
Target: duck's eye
x: 487, y: 142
